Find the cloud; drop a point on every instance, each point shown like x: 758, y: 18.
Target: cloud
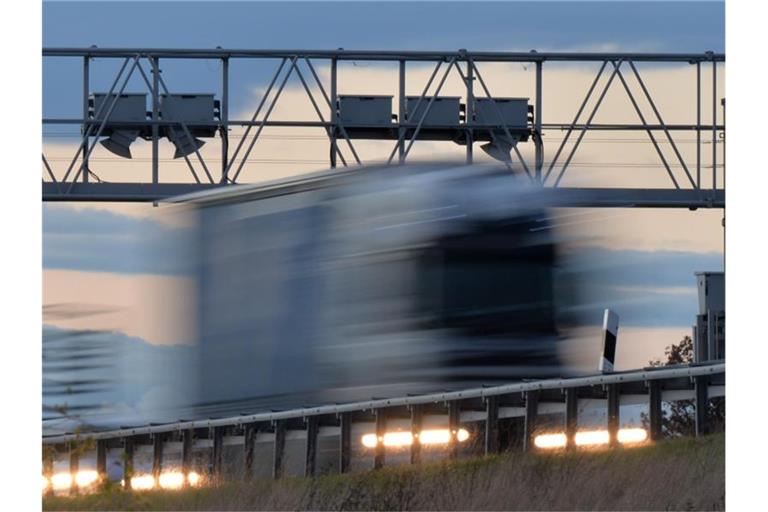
x: 646, y: 288
x: 102, y: 240
x: 154, y: 308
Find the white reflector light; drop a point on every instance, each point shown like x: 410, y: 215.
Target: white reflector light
x: 426, y: 437
x: 590, y: 438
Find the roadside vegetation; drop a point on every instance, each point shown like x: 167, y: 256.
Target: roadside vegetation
x: 677, y: 474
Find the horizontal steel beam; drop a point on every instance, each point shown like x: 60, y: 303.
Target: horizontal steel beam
x: 532, y: 56
x: 651, y: 374
x: 562, y: 196
x: 395, y: 126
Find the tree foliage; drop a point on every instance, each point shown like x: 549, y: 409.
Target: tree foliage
x: 679, y: 417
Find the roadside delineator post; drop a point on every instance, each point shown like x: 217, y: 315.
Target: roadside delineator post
x: 610, y: 336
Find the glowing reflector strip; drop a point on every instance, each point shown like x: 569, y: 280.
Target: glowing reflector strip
x: 174, y: 480
x: 425, y: 437
x: 193, y: 478
x: 167, y: 480
x: 550, y: 441
x: 86, y: 478
x: 61, y: 481
x: 142, y: 482
x: 590, y: 438
x: 632, y: 435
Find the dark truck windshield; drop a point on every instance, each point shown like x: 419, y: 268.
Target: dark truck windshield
x: 494, y: 278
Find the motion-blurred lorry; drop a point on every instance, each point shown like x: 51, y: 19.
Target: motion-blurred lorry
x: 352, y: 284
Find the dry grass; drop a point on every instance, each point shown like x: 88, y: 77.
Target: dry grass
x: 687, y: 474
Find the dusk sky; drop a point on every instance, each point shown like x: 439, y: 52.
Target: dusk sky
x: 119, y: 255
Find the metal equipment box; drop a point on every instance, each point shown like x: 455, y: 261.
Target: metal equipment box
x: 444, y: 110
x: 188, y: 108
x: 514, y: 112
x: 711, y: 287
x: 365, y: 110
x: 129, y: 107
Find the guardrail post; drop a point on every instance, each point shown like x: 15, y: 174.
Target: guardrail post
x: 531, y: 411
x: 491, y: 425
x: 157, y: 456
x: 74, y: 467
x: 48, y: 469
x: 702, y: 401
x: 277, y: 461
x: 217, y: 454
x: 187, y: 440
x: 345, y: 441
x: 311, y: 452
x: 654, y: 409
x: 416, y: 433
x: 381, y: 429
x: 613, y: 414
x: 101, y: 460
x: 571, y: 417
x: 128, y: 447
x: 453, y: 429
x: 250, y: 442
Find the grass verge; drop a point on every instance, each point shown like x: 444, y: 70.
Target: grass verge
x: 682, y: 474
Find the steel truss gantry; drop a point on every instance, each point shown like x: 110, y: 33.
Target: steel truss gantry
x: 688, y: 189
